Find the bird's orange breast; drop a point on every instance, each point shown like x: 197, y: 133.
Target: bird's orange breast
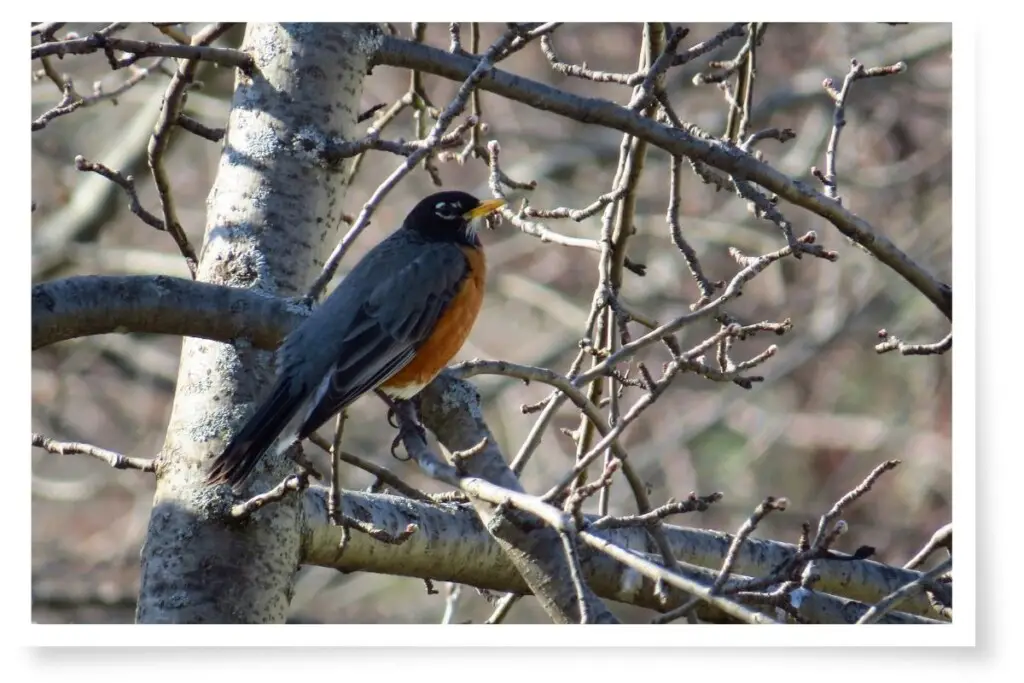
x: 449, y: 334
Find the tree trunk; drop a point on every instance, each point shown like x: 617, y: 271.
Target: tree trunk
x: 272, y: 217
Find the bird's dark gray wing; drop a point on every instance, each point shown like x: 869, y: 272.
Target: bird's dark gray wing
x: 244, y: 450
x: 363, y: 333
x: 397, y: 316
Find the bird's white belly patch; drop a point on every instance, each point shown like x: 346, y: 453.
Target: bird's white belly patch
x: 403, y: 392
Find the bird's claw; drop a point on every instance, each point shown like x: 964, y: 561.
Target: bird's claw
x: 404, y: 428
x: 394, y: 449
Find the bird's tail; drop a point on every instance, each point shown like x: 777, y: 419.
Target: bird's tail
x: 256, y: 437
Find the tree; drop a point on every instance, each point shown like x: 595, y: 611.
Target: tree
x: 292, y: 150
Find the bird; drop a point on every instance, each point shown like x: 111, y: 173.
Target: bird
x: 392, y: 324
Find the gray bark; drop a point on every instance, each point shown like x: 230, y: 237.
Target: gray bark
x: 460, y: 548
x: 452, y: 544
x: 451, y: 409
x: 271, y: 220
x: 272, y: 216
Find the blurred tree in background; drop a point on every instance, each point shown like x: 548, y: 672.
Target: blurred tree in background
x: 650, y: 171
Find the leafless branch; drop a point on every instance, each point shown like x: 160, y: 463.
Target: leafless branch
x: 857, y: 72
x: 71, y: 100
x: 97, y: 42
x: 894, y: 343
x: 703, y: 48
x: 943, y: 538
x: 850, y: 497
x: 432, y: 140
x: 704, y: 285
x: 691, y: 504
x: 46, y: 30
x: 382, y: 473
x: 174, y: 103
x: 892, y: 600
x: 200, y: 129
x: 293, y: 483
x: 127, y: 183
x: 115, y: 460
x: 677, y: 142
x: 503, y: 608
x: 334, y: 498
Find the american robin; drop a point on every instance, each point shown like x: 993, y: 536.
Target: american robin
x: 393, y: 323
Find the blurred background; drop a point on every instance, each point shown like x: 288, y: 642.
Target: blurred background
x: 830, y: 408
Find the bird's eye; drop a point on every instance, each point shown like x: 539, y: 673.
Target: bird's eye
x: 448, y: 210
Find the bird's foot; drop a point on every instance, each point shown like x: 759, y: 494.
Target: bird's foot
x: 306, y: 467
x: 392, y: 407
x: 407, y: 420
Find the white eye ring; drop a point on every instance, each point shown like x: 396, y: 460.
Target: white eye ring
x: 448, y: 210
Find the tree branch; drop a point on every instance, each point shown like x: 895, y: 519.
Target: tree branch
x: 94, y: 304
x: 115, y: 460
x: 452, y: 544
x: 78, y: 306
x: 96, y: 42
x: 450, y: 409
x: 729, y: 158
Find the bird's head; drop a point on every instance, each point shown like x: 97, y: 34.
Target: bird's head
x: 450, y: 216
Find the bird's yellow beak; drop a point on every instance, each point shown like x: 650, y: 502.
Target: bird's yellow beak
x: 484, y: 208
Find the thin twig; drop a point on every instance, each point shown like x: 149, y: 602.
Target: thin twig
x: 550, y: 405
x: 71, y: 100
x: 382, y: 473
x: 432, y: 140
x: 174, y: 103
x: 46, y: 30
x: 525, y: 38
x: 701, y: 49
x: 659, y: 573
x: 529, y: 373
x: 503, y: 608
x: 850, y: 497
x: 577, y: 71
x: 744, y: 66
x: 769, y: 505
x: 334, y: 496
x: 751, y: 268
x: 453, y: 591
x: 115, y: 460
x: 943, y: 538
x: 575, y: 572
x: 644, y: 94
x: 200, y: 129
x: 704, y: 285
x: 574, y: 502
x: 539, y: 230
x: 691, y: 504
x: 857, y: 72
x: 377, y: 533
x: 891, y: 601
x: 781, y: 134
x: 416, y: 446
x: 517, y: 218
x: 197, y: 51
x: 616, y: 229
x: 578, y: 214
x: 684, y: 362
x: 127, y: 183
x: 293, y: 483
x: 894, y: 343
x: 455, y: 32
